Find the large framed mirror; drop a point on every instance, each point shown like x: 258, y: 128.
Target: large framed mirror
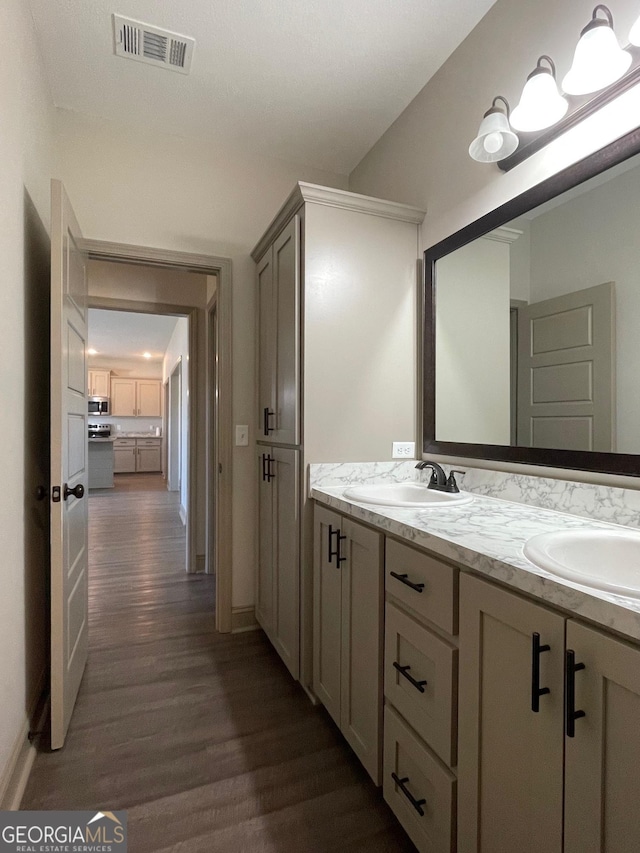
x: 532, y: 324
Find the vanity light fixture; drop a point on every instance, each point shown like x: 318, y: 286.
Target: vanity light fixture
x: 598, y: 60
x: 495, y: 139
x: 541, y: 104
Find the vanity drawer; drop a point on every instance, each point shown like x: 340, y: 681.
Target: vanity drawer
x: 124, y: 442
x: 430, y: 819
x: 435, y: 597
x: 430, y: 708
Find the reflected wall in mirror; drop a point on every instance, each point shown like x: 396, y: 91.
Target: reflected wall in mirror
x: 532, y: 324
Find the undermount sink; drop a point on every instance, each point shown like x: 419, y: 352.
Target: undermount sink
x: 602, y: 559
x: 405, y: 495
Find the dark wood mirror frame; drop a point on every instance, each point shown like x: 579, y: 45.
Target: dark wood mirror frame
x: 612, y: 463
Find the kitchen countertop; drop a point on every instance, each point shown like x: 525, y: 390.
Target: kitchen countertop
x: 487, y: 536
x: 136, y: 435
x: 108, y: 440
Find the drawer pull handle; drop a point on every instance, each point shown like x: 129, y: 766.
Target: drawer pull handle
x: 536, y: 690
x: 337, y: 553
x: 402, y: 784
x: 571, y: 668
x: 266, y: 425
x: 404, y: 670
x: 405, y: 580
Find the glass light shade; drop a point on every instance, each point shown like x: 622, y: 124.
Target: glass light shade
x: 495, y: 139
x: 598, y: 61
x: 634, y: 35
x: 541, y: 105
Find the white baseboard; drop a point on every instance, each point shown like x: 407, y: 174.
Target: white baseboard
x: 183, y: 515
x: 15, y: 776
x: 243, y: 619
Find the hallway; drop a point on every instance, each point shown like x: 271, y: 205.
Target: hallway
x: 202, y: 737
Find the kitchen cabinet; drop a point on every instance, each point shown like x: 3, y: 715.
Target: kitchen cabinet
x: 277, y: 598
x: 348, y: 623
x: 602, y: 795
x: 324, y: 304
x: 136, y: 397
x: 98, y: 382
x: 141, y: 455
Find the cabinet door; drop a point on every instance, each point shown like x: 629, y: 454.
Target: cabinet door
x: 149, y: 398
x: 148, y: 459
x: 90, y: 383
x: 124, y: 460
x: 265, y: 355
x: 510, y: 759
x: 327, y: 612
x: 100, y: 383
x: 286, y: 557
x: 264, y: 577
x: 286, y: 322
x: 602, y: 795
x: 362, y: 641
x: 123, y: 397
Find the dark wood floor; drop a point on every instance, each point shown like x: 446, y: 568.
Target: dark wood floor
x: 204, y: 738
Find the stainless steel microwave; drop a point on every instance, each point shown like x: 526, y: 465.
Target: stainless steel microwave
x: 98, y: 405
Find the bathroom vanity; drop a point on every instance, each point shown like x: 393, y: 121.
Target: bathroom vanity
x: 511, y: 697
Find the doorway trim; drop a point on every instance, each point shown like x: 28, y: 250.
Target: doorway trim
x: 218, y: 488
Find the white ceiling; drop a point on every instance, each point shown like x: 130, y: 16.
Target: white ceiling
x: 124, y: 335
x: 315, y: 82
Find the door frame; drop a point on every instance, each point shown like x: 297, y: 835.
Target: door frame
x: 175, y: 372
x: 219, y: 488
x: 213, y: 434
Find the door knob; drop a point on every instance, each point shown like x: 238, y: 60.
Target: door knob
x: 77, y: 491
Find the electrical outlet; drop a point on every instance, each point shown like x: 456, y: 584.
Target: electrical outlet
x: 242, y: 435
x: 404, y: 450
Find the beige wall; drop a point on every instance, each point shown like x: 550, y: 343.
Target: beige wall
x: 423, y: 160
x: 472, y: 344
x: 25, y: 169
x: 173, y: 193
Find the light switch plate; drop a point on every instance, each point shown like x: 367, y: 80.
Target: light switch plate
x: 242, y: 435
x: 404, y: 450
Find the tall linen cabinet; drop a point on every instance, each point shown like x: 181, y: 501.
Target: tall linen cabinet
x: 337, y: 308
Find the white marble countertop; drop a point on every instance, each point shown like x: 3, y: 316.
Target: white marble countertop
x: 97, y: 440
x: 487, y: 536
x: 137, y: 435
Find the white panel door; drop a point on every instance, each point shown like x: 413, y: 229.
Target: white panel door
x: 566, y: 371
x: 265, y: 346
x: 69, y: 446
x: 264, y: 577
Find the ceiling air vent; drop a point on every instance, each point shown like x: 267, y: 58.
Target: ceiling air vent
x: 135, y: 40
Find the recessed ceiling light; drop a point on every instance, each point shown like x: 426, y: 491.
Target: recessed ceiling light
x: 92, y: 351
x: 146, y: 355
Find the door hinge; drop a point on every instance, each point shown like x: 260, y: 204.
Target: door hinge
x: 55, y: 494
